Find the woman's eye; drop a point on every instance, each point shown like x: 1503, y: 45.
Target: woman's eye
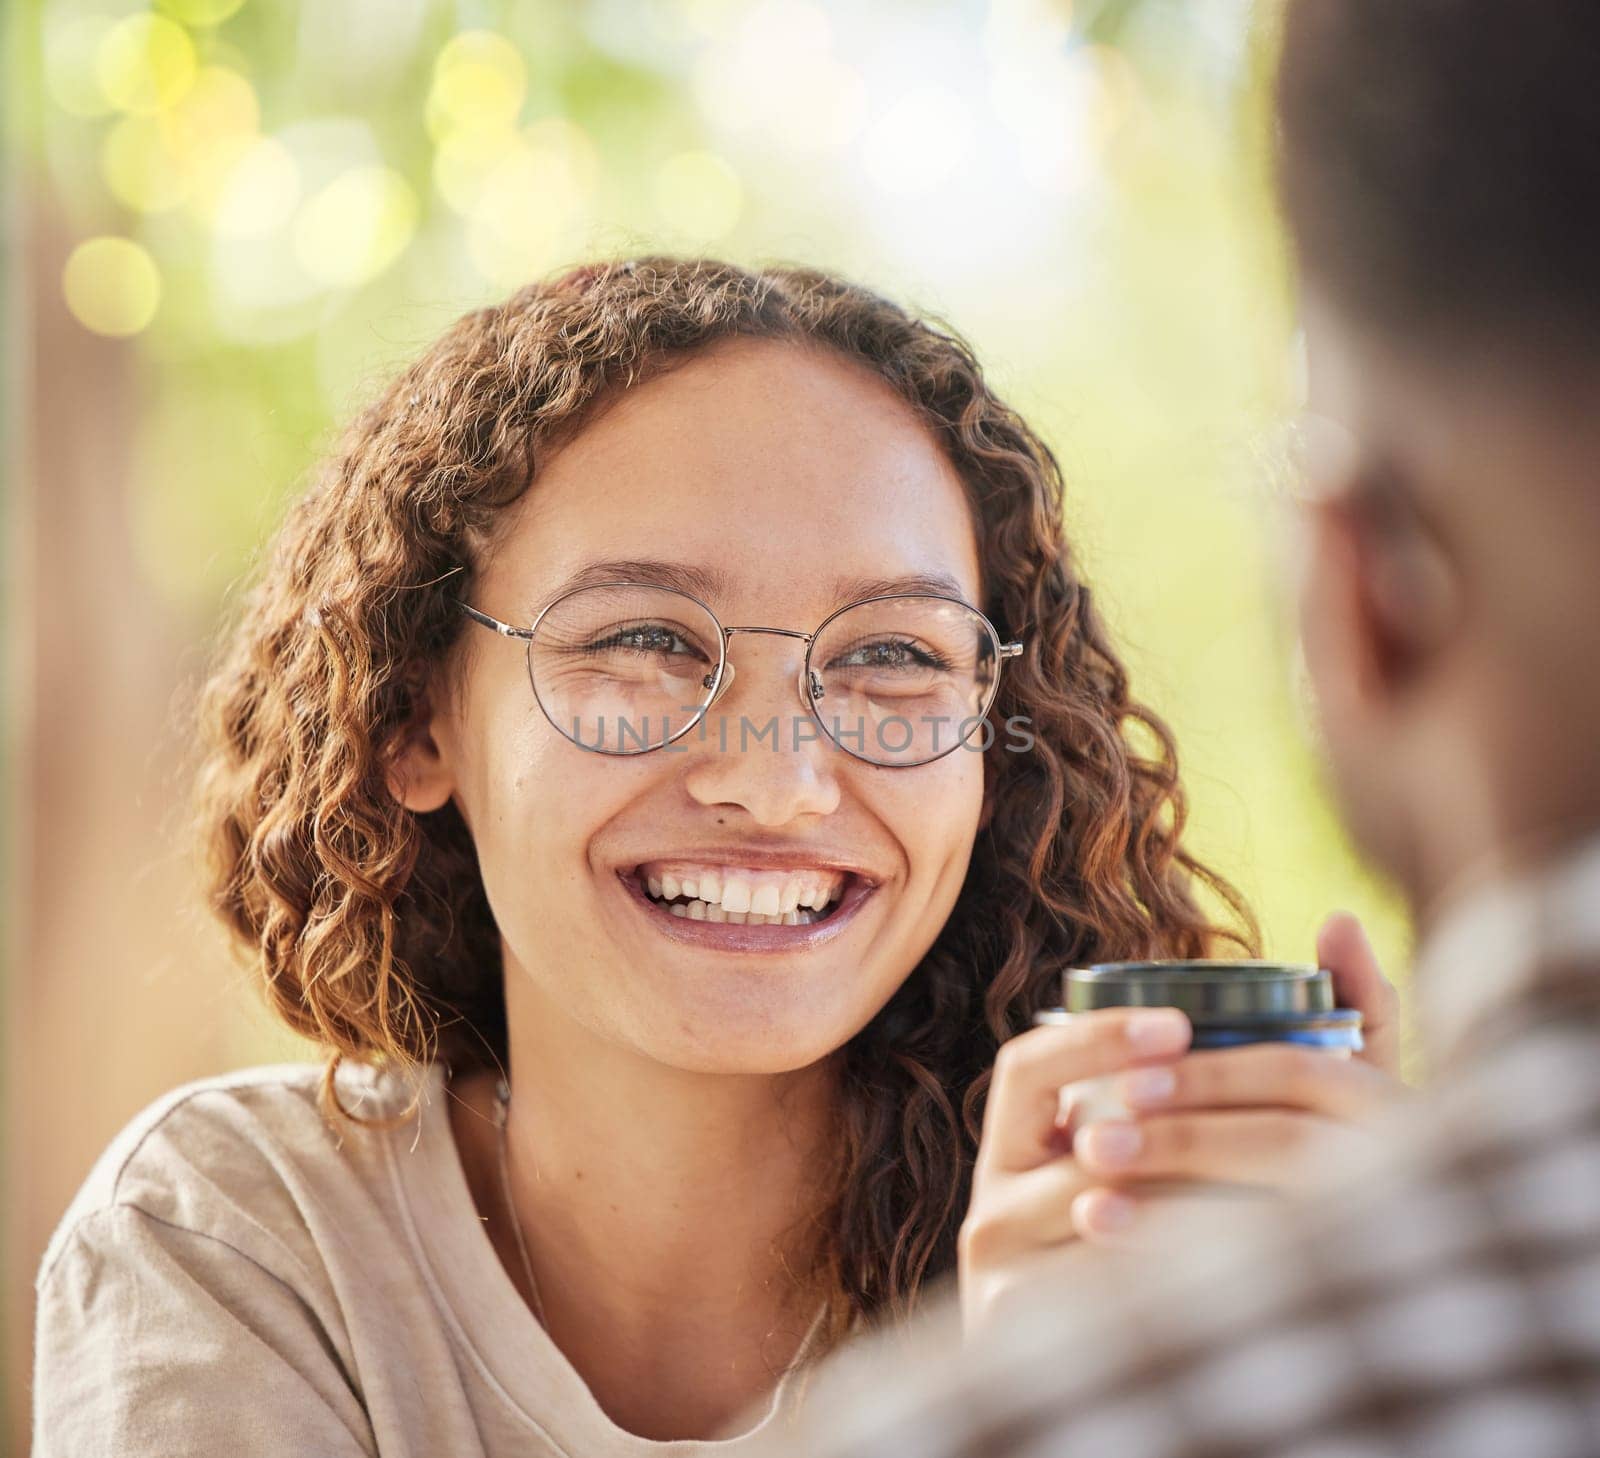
x: 650, y: 640
x: 887, y: 653
x: 645, y: 638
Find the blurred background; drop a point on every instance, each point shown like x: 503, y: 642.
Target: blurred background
x: 226, y: 221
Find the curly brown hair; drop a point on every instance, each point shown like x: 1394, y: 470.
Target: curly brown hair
x: 369, y: 923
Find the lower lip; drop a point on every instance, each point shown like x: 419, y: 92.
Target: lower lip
x: 729, y: 936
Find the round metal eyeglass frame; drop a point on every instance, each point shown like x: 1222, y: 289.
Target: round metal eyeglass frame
x: 720, y: 679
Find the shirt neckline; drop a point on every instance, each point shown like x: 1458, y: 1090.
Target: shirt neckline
x: 510, y: 1348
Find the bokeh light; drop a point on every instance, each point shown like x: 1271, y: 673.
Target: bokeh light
x: 142, y: 168
x: 464, y: 162
x: 355, y: 227
x: 479, y: 82
x: 530, y: 206
x: 112, y: 286
x: 153, y: 163
x: 71, y: 62
x: 145, y: 63
x: 258, y: 193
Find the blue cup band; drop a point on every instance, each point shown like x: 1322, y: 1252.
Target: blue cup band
x: 1335, y: 1038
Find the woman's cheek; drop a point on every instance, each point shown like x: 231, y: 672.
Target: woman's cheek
x: 934, y: 815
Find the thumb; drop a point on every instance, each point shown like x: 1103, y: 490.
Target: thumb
x: 1358, y: 981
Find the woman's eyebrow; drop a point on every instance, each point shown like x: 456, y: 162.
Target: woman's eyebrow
x: 914, y: 584
x: 710, y: 584
x: 702, y: 582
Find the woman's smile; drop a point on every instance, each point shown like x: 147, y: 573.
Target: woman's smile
x: 725, y: 901
x: 741, y: 894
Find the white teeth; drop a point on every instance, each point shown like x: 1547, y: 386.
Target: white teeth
x: 698, y: 910
x: 747, y: 898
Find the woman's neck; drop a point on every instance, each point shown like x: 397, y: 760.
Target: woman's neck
x: 669, y: 1218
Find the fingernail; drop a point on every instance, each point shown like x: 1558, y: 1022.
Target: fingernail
x: 1149, y: 1086
x: 1112, y: 1213
x: 1158, y: 1030
x: 1111, y: 1143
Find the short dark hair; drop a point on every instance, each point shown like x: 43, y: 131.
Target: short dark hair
x: 1439, y: 163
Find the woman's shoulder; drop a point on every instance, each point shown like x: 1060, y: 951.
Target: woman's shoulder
x: 240, y: 1156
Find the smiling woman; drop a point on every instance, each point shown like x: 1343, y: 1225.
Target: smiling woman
x: 653, y: 1071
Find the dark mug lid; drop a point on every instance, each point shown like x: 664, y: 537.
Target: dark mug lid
x: 1204, y: 990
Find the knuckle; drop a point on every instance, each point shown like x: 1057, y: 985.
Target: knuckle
x: 975, y: 1240
x: 1013, y: 1058
x: 1196, y: 1080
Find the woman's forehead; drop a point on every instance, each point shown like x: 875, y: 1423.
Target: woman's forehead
x: 760, y: 412
x: 755, y: 467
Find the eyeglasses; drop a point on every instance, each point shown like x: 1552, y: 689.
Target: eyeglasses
x: 626, y: 667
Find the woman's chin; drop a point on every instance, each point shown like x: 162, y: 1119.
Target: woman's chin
x: 733, y: 1047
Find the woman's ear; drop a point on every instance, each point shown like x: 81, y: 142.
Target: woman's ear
x: 419, y: 774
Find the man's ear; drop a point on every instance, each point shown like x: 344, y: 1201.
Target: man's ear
x: 419, y: 775
x: 1382, y: 598
x: 1410, y: 592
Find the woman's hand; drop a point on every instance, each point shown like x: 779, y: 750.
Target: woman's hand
x: 1245, y: 1116
x: 1025, y: 1185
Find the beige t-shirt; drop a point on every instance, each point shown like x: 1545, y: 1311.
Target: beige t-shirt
x: 236, y: 1276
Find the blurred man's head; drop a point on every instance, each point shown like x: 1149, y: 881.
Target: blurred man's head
x: 1440, y: 170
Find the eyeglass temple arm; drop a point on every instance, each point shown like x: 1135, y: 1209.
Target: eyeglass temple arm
x: 503, y: 628
x: 1011, y: 650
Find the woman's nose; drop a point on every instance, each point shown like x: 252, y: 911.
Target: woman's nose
x: 776, y: 766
